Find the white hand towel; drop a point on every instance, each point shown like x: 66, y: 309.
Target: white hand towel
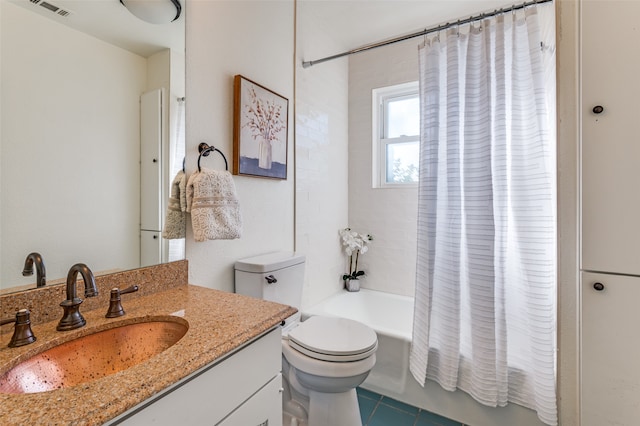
x: 213, y: 204
x: 175, y: 221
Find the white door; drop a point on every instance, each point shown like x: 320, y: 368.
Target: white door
x: 610, y: 335
x: 610, y: 137
x: 151, y: 160
x: 152, y: 246
x: 610, y: 350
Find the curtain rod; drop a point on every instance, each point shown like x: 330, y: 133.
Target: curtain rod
x: 307, y: 64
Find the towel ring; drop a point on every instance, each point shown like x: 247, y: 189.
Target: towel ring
x: 205, y: 150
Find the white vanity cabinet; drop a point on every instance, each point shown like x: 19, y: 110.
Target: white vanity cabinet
x: 243, y: 389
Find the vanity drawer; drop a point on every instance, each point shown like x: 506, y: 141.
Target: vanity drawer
x: 262, y: 409
x: 211, y: 394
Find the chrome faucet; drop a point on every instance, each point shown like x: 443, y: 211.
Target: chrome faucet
x: 72, y: 319
x: 32, y: 258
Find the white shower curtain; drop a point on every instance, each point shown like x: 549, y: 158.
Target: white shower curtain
x: 176, y: 162
x: 485, y: 305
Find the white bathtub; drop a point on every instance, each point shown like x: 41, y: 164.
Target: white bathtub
x: 391, y: 316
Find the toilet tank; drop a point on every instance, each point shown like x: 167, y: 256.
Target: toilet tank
x: 277, y: 277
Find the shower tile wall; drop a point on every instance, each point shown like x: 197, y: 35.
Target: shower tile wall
x: 388, y: 214
x: 321, y: 159
x: 333, y: 164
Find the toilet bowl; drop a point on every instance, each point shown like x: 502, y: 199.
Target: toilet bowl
x: 327, y: 359
x: 323, y: 358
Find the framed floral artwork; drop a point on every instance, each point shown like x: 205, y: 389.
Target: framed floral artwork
x: 260, y: 132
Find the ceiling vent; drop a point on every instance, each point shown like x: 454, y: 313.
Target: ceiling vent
x: 52, y: 8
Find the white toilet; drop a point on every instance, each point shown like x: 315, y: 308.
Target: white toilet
x: 323, y: 358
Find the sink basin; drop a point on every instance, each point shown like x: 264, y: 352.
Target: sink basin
x: 92, y: 356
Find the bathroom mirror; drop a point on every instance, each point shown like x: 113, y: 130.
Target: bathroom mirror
x: 73, y: 74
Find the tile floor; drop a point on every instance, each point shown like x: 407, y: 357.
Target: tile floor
x: 378, y: 410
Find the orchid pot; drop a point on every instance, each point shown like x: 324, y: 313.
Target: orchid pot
x: 354, y: 244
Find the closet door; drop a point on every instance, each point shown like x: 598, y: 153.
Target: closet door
x: 610, y: 350
x: 150, y: 248
x: 610, y: 343
x: 611, y: 136
x: 151, y: 160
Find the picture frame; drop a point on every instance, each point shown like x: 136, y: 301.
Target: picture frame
x: 260, y: 130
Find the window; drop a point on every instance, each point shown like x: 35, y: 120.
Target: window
x: 396, y: 135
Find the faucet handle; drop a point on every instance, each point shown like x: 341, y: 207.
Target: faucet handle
x: 115, y: 306
x: 22, y: 334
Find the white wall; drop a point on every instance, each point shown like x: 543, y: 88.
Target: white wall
x: 322, y: 157
x: 389, y: 214
x: 68, y: 118
x: 254, y: 39
x: 567, y: 15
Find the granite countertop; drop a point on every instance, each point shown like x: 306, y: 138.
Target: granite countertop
x: 219, y: 323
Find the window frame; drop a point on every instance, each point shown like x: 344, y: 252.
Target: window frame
x: 380, y: 98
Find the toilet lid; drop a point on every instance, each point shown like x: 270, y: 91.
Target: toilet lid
x: 334, y: 339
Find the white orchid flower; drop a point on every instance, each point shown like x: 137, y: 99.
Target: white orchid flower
x: 354, y: 243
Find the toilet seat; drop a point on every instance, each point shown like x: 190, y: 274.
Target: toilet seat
x: 333, y: 339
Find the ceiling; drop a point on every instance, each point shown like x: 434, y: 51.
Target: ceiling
x: 356, y: 23
x: 110, y: 21
x: 353, y: 23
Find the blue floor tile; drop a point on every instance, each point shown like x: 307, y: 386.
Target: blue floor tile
x: 378, y: 410
x: 400, y: 405
x: 367, y: 405
x: 385, y: 415
x: 430, y: 419
x: 368, y: 394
